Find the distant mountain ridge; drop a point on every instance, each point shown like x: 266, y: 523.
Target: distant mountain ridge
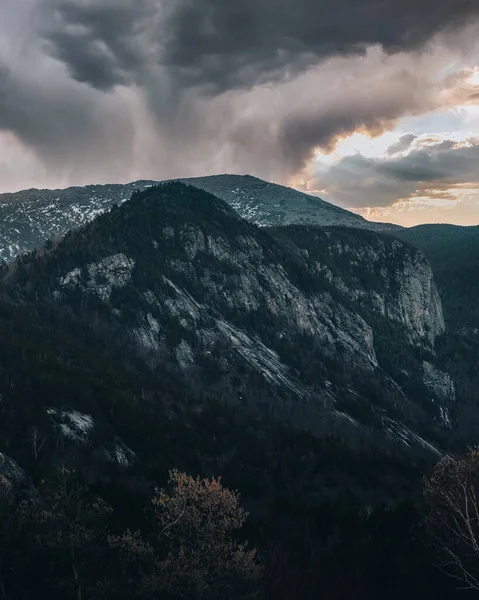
x: 269, y: 204
x: 29, y: 218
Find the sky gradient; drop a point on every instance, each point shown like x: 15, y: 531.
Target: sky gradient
x: 370, y: 104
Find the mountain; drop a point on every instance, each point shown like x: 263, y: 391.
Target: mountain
x: 454, y: 255
x: 269, y: 204
x: 332, y: 329
x: 309, y: 367
x: 29, y: 218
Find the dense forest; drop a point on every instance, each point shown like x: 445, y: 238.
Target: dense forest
x: 316, y: 518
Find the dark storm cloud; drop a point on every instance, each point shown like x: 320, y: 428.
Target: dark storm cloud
x: 224, y: 44
x: 285, y: 123
x: 402, y: 144
x: 64, y: 125
x: 357, y: 181
x: 121, y: 89
x: 445, y: 161
x: 374, y: 110
x: 52, y: 121
x: 103, y: 43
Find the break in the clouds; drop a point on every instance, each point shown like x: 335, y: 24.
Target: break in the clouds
x: 118, y: 89
x: 429, y: 165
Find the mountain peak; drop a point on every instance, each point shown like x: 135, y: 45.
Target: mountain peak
x: 181, y: 197
x: 268, y: 204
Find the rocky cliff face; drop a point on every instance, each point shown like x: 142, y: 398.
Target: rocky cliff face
x: 452, y: 251
x: 377, y: 274
x: 418, y: 305
x: 291, y: 321
x: 11, y: 474
x: 442, y: 389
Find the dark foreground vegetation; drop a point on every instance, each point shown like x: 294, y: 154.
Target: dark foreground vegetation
x: 69, y: 539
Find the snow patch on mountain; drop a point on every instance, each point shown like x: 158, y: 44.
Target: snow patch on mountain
x: 267, y: 204
x: 31, y: 217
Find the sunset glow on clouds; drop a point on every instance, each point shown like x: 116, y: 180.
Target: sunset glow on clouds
x: 424, y: 170
x: 377, y: 115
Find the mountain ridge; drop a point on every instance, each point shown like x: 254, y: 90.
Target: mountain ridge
x: 267, y: 204
x: 31, y: 217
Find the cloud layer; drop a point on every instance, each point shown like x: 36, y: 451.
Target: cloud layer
x: 225, y: 44
x: 430, y: 167
x: 119, y: 89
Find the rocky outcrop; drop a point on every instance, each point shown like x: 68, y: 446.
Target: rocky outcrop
x: 417, y: 304
x: 11, y: 475
x: 72, y: 424
x: 440, y: 384
x: 101, y: 277
x: 377, y: 274
x: 442, y: 390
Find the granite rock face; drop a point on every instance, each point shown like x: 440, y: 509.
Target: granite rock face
x: 379, y: 274
x: 101, y: 277
x: 418, y: 305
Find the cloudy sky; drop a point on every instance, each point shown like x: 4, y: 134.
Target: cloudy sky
x: 371, y: 104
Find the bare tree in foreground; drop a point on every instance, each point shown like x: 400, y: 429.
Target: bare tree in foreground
x: 452, y: 516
